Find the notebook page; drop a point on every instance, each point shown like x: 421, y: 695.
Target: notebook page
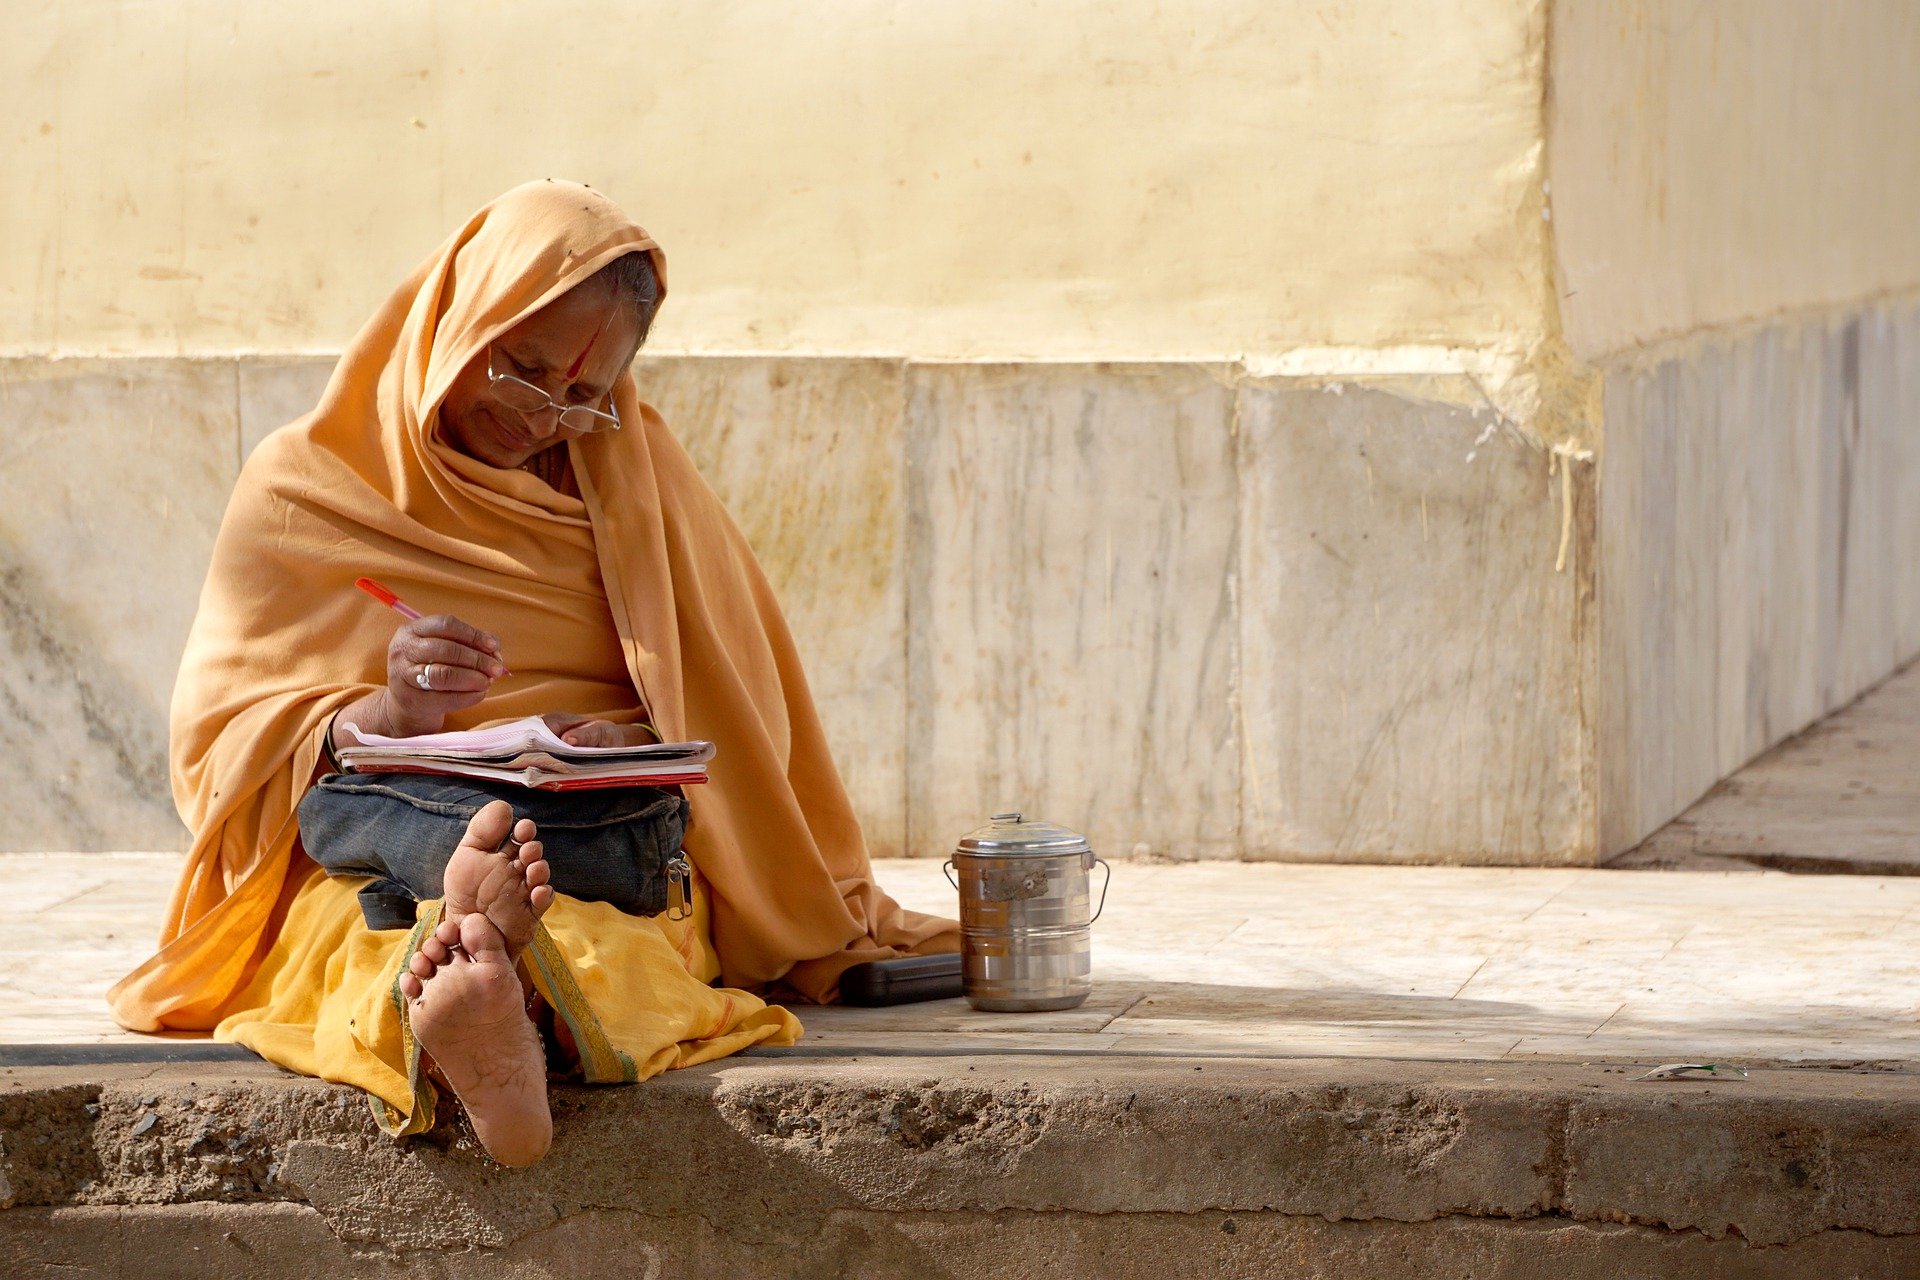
x: 529, y: 734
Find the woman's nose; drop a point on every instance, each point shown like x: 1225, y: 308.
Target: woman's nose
x: 543, y: 422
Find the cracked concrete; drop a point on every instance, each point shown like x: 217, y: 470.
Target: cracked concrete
x: 992, y: 1166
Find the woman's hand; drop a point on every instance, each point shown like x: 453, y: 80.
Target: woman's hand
x: 460, y: 664
x: 436, y: 666
x: 583, y: 731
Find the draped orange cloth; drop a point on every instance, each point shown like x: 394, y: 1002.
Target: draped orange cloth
x: 646, y: 558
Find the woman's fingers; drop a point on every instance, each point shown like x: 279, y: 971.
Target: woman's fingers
x: 420, y: 650
x: 584, y: 731
x: 436, y: 666
x: 445, y: 626
x: 594, y: 733
x: 444, y: 677
x: 580, y: 731
x: 440, y: 664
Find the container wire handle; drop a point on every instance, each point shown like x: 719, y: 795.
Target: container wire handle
x: 1104, y: 886
x: 946, y: 869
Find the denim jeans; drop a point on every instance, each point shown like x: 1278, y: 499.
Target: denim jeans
x: 609, y: 845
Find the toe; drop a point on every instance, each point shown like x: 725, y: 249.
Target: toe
x: 421, y: 966
x: 525, y: 830
x: 479, y: 935
x: 447, y: 934
x: 541, y: 898
x: 537, y: 872
x: 435, y: 950
x: 411, y: 987
x: 490, y: 826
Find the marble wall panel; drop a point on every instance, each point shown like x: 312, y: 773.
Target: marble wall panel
x: 1415, y: 670
x: 1070, y: 604
x: 113, y: 478
x: 1265, y: 619
x: 1877, y: 562
x: 1890, y: 396
x: 1634, y: 511
x: 274, y: 390
x: 1759, y: 514
x: 808, y: 455
x: 1773, y: 635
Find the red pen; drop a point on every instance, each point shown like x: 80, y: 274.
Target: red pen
x: 394, y: 602
x: 386, y: 597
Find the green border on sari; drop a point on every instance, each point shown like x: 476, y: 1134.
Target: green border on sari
x: 601, y: 1062
x: 425, y: 1096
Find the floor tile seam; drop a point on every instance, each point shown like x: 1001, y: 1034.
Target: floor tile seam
x: 1557, y: 894
x: 69, y: 899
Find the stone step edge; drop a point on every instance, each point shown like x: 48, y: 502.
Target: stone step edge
x: 1778, y: 1157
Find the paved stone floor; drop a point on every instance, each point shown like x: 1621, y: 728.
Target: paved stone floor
x: 1194, y: 959
x: 1842, y: 797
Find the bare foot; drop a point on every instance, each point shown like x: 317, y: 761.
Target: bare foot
x: 507, y: 885
x: 466, y: 1008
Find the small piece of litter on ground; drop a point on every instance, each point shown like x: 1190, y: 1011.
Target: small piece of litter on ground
x: 1685, y: 1070
x: 145, y: 1123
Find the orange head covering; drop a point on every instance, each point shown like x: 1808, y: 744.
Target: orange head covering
x: 366, y: 485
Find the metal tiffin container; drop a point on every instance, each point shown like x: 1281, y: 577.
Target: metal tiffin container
x: 1025, y: 930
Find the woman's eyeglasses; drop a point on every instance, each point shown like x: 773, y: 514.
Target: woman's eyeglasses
x: 523, y: 397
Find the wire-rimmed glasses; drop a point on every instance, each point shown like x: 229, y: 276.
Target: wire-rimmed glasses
x: 523, y: 397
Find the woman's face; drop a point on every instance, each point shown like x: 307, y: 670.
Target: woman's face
x: 572, y: 349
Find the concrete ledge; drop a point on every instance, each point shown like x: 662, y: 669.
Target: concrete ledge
x: 217, y: 1242
x: 777, y: 1167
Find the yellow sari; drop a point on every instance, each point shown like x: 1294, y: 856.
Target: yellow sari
x: 634, y: 995
x: 641, y: 593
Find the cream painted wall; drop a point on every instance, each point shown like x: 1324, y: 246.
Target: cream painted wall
x: 1721, y: 161
x: 1114, y: 179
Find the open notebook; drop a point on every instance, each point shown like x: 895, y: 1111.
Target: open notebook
x: 530, y: 754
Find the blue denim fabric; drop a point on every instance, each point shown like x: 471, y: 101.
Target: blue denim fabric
x: 608, y: 845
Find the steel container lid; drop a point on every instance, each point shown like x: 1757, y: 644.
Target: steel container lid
x: 1010, y: 835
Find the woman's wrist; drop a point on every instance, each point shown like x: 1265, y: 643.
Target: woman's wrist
x: 397, y: 723
x: 376, y: 713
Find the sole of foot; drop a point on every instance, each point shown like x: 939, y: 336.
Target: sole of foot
x: 466, y: 1008
x: 508, y: 885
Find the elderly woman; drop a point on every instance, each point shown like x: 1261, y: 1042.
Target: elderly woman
x: 481, y: 449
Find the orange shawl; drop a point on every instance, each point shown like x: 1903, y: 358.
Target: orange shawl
x: 365, y: 485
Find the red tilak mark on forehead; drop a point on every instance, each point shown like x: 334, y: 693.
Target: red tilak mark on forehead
x: 573, y: 370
